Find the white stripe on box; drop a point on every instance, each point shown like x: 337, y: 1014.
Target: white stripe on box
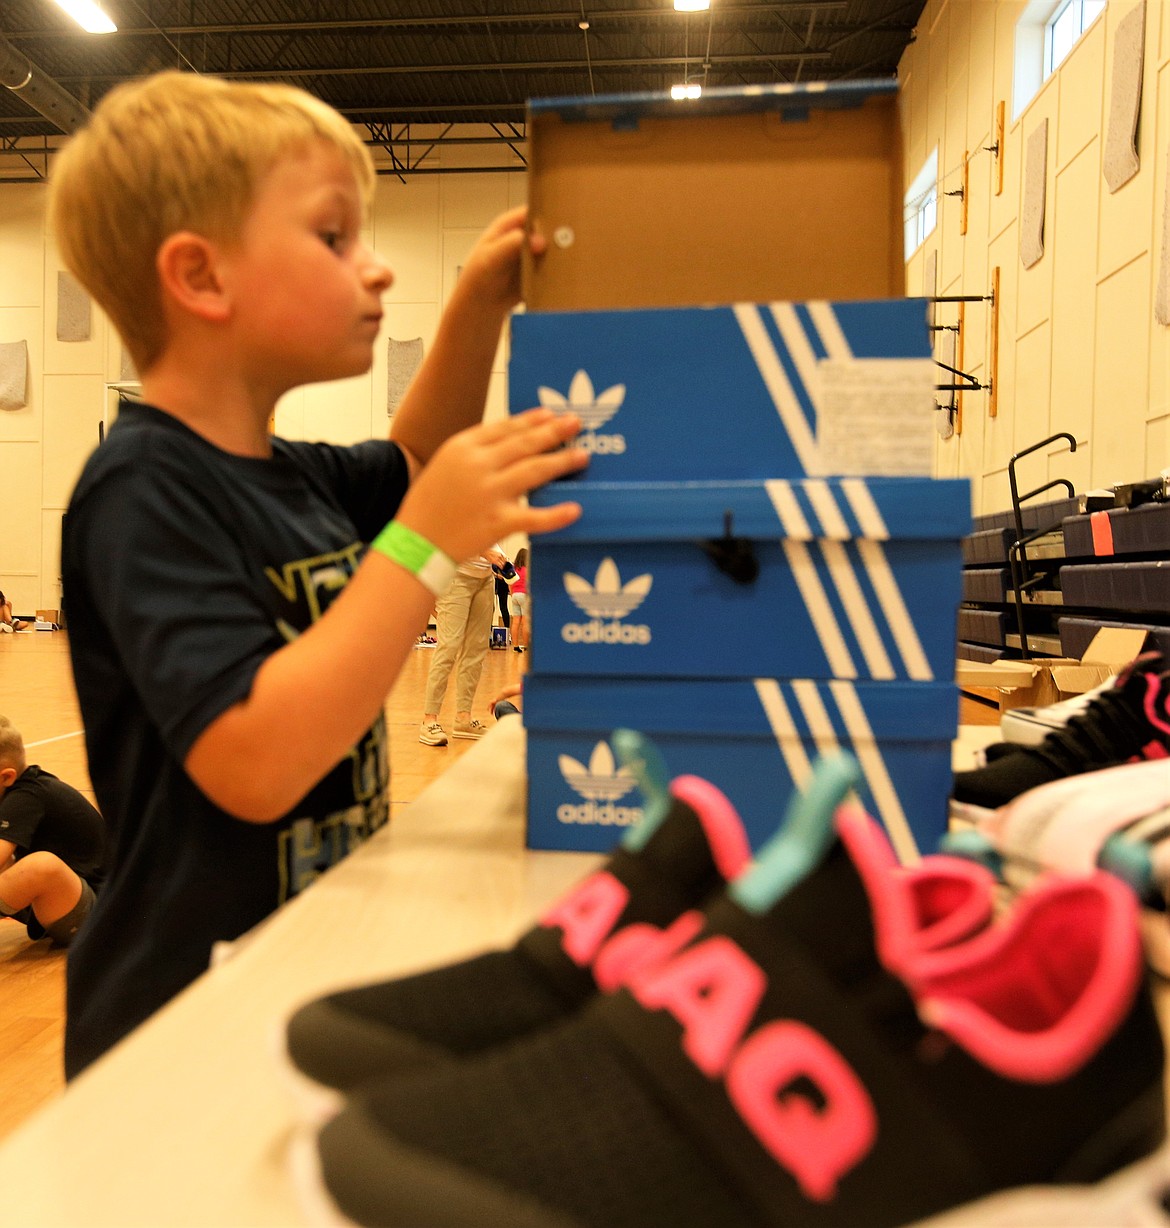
x: 776, y: 381
x: 820, y: 612
x: 784, y: 731
x: 787, y: 509
x: 860, y: 615
x: 799, y: 348
x: 877, y: 777
x: 829, y: 328
x: 861, y: 500
x: 832, y: 521
x: 816, y: 716
x: 897, y: 616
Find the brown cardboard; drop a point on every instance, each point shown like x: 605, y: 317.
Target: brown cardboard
x: 688, y: 209
x: 48, y: 616
x: 1038, y: 683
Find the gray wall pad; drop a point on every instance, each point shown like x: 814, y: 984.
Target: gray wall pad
x: 13, y: 374
x: 1035, y: 180
x: 1125, y: 98
x: 402, y: 361
x: 73, y: 309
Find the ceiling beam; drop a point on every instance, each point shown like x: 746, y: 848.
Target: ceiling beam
x: 399, y: 70
x: 569, y: 17
x: 38, y: 90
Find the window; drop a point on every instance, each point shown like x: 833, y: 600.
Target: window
x: 1046, y: 32
x: 921, y: 211
x: 1066, y: 25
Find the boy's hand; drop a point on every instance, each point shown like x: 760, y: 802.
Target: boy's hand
x: 492, y: 271
x: 471, y: 494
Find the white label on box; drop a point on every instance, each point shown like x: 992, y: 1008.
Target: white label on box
x: 875, y: 416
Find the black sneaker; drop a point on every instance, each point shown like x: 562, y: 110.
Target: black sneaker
x: 800, y: 1063
x: 1128, y: 723
x: 681, y: 853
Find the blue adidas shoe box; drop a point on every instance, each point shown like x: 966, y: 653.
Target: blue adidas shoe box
x: 857, y: 578
x: 746, y: 391
x: 753, y: 738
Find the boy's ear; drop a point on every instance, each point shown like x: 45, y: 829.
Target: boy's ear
x: 8, y: 777
x: 189, y: 275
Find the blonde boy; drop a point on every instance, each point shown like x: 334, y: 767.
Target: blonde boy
x: 233, y: 638
x: 51, y: 846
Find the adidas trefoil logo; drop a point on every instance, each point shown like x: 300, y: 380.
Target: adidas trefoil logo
x: 594, y: 410
x: 601, y: 783
x: 602, y: 780
x: 606, y: 598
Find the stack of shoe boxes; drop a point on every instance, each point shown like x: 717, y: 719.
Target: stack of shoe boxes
x: 762, y: 571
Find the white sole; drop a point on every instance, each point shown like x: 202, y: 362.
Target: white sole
x: 304, y: 1168
x: 964, y: 814
x: 315, y: 1103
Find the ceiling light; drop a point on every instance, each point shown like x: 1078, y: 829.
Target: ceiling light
x: 686, y: 91
x: 683, y: 6
x: 88, y: 15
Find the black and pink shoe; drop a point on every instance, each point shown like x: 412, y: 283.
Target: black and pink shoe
x: 685, y: 850
x: 1127, y: 723
x: 803, y: 1060
x: 639, y: 906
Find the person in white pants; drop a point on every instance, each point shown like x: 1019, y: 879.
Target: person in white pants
x: 463, y: 621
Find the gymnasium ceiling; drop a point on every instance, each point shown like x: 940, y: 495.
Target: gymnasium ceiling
x: 393, y: 67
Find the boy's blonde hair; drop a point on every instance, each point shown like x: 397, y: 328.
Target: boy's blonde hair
x: 11, y: 746
x: 171, y: 152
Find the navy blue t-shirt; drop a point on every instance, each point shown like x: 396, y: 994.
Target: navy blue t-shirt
x: 40, y: 813
x: 184, y: 568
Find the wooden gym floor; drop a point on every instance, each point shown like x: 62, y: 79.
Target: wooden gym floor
x: 37, y: 696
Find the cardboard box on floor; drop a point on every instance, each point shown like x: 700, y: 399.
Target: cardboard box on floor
x: 1038, y: 683
x: 743, y: 195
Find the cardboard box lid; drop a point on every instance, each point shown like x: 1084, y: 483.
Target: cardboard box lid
x: 1110, y: 650
x: 807, y: 509
x: 742, y: 195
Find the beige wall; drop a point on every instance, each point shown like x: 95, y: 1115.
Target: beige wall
x: 425, y: 226
x: 1079, y: 348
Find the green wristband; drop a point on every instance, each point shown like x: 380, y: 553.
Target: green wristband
x: 410, y: 550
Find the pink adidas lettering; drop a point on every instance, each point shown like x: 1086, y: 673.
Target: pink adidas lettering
x: 640, y: 946
x: 713, y: 989
x: 818, y: 1145
x: 587, y: 915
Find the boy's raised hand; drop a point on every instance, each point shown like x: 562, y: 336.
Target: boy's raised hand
x: 471, y: 493
x: 492, y: 271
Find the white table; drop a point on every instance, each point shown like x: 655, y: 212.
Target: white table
x: 187, y: 1121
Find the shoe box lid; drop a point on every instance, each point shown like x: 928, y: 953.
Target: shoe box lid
x: 753, y: 738
x: 764, y: 509
x: 831, y: 712
x: 756, y: 193
x: 756, y: 389
x: 781, y: 579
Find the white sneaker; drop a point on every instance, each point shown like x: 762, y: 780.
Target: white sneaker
x: 1030, y: 726
x: 431, y: 734
x: 469, y: 729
